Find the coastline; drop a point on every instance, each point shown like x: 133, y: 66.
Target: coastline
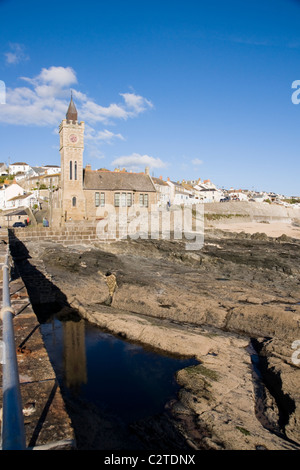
x: 272, y: 229
x: 253, y: 217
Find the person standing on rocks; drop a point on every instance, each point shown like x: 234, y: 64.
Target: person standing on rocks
x: 111, y: 282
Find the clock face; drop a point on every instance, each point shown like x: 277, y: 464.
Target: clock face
x: 73, y: 138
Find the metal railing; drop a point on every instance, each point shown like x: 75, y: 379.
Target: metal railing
x: 13, y: 429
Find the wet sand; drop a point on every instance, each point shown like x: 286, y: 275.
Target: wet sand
x: 271, y: 229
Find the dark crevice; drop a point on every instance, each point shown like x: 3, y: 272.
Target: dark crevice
x: 266, y: 380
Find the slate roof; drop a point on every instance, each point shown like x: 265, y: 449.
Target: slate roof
x: 18, y: 212
x: 19, y: 163
x: 72, y: 111
x: 159, y: 181
x: 21, y: 196
x: 117, y: 181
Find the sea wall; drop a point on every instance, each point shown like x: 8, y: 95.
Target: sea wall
x: 67, y: 236
x: 255, y: 211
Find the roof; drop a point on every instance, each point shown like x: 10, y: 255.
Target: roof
x: 19, y: 163
x: 54, y: 175
x: 38, y: 169
x: 208, y: 189
x: 21, y: 196
x: 159, y: 181
x: 117, y: 181
x: 72, y: 111
x: 18, y: 212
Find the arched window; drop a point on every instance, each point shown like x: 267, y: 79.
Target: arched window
x: 71, y: 164
x: 75, y: 171
x: 74, y: 201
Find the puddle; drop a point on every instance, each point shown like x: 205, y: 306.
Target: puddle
x: 124, y: 382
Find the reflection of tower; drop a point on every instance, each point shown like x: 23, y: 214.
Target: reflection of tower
x: 74, y: 353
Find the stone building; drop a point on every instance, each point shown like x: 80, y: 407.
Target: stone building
x: 83, y: 191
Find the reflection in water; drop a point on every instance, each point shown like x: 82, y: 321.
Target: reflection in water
x: 124, y: 380
x: 74, y: 353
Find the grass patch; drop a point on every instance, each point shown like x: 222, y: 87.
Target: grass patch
x: 200, y: 369
x: 222, y: 216
x: 243, y: 430
x: 292, y: 200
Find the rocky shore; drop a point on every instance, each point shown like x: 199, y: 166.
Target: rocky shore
x: 234, y: 305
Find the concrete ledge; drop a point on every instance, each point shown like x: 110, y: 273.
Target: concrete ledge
x: 66, y: 444
x: 47, y: 424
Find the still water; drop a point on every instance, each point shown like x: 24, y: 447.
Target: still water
x: 122, y: 379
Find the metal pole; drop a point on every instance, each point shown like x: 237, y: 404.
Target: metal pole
x: 13, y: 430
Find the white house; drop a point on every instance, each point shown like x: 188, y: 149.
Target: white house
x: 19, y: 176
x: 35, y: 171
x: 3, y: 169
x: 163, y: 191
x: 259, y: 197
x: 179, y: 194
x: 51, y: 169
x: 208, y: 192
x: 9, y: 192
x: 18, y: 167
x: 238, y: 196
x: 24, y: 200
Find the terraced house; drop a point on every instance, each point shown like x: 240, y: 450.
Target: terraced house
x: 83, y: 192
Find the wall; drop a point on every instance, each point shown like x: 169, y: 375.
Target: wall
x: 67, y: 236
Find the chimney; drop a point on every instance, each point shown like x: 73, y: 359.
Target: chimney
x: 88, y: 167
x: 168, y: 179
x: 160, y: 177
x: 147, y: 170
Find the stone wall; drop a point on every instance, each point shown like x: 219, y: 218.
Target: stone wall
x: 67, y: 236
x: 157, y: 225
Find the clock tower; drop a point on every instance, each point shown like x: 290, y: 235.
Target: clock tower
x: 71, y: 134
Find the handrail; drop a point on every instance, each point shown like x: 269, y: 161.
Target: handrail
x: 13, y: 429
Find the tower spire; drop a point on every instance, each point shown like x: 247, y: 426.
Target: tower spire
x: 72, y: 114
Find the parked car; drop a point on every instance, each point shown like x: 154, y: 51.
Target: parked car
x: 225, y: 199
x: 18, y: 224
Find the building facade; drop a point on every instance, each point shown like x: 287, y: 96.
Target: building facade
x: 84, y: 194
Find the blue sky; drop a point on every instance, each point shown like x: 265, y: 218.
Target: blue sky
x: 191, y: 88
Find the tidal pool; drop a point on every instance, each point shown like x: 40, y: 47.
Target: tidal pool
x: 119, y: 379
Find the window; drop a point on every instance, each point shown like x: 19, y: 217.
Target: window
x: 102, y: 199
x: 75, y: 170
x: 99, y: 199
x: 71, y: 164
x: 129, y: 199
x: 74, y: 201
x: 144, y: 201
x: 123, y: 200
x: 117, y: 199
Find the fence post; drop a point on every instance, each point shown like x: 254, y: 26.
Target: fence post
x: 13, y: 430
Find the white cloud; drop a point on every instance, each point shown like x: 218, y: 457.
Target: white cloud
x: 135, y: 162
x: 16, y: 54
x: 44, y: 101
x: 197, y: 161
x: 52, y: 82
x: 58, y: 76
x: 136, y: 103
x: 101, y: 136
x: 93, y: 112
x: 108, y: 136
